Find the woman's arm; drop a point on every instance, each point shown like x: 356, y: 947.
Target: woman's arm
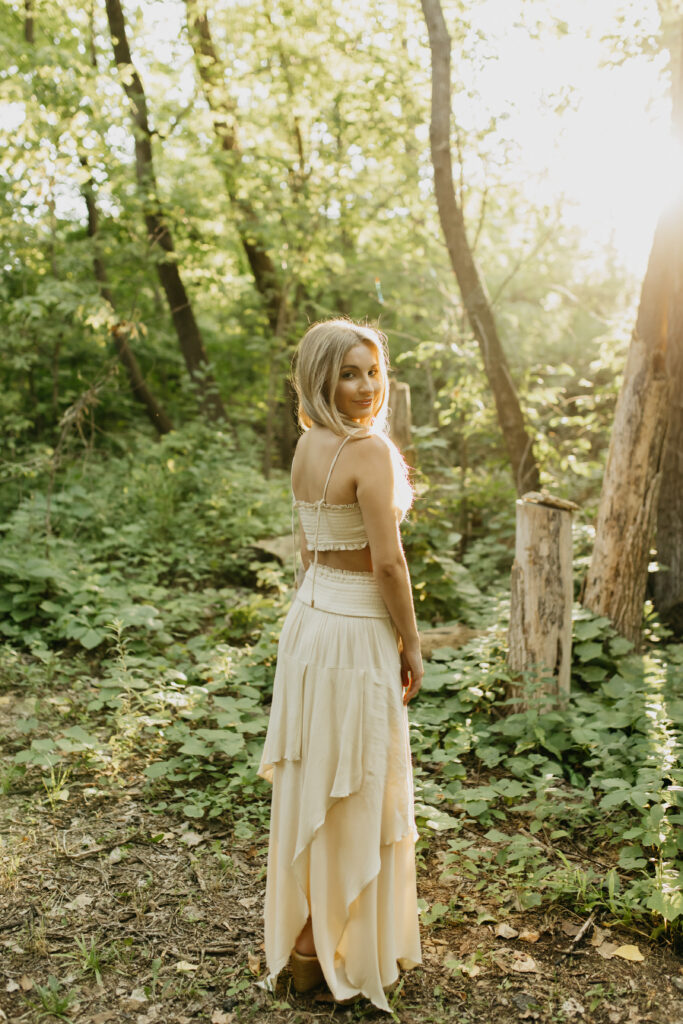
x: 375, y: 493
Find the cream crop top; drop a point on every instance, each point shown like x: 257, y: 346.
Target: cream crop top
x: 330, y: 527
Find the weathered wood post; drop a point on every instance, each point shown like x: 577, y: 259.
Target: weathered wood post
x: 400, y: 419
x: 540, y: 636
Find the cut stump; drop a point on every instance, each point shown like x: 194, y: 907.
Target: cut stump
x: 540, y: 636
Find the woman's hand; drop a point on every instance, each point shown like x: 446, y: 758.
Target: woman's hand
x: 412, y: 671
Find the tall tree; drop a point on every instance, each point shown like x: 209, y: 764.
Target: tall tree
x: 472, y: 288
x: 120, y: 330
x: 158, y: 231
x: 617, y: 577
x: 224, y: 118
x: 668, y: 582
x: 272, y: 287
x: 638, y: 458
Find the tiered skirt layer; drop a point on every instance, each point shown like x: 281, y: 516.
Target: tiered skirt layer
x: 342, y: 834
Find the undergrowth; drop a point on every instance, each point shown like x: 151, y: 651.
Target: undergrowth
x: 141, y: 624
x: 598, y: 780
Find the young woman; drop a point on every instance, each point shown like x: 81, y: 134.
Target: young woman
x: 340, y: 894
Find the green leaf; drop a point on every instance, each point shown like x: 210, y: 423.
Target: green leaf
x: 42, y: 745
x: 631, y: 858
x: 588, y: 651
x: 588, y: 629
x: 78, y: 733
x: 490, y: 756
x: 619, y: 646
x: 435, y: 678
x: 158, y: 769
x: 591, y: 673
x: 475, y: 807
x: 669, y: 905
x: 444, y: 653
x: 437, y: 820
x: 91, y: 638
x: 193, y: 810
x: 196, y: 747
x: 615, y: 798
x: 484, y: 916
x: 494, y: 836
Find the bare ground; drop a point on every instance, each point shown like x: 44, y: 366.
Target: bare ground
x: 110, y: 912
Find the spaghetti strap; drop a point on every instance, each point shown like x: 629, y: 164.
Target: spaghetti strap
x: 318, y: 508
x: 332, y: 465
x: 319, y: 505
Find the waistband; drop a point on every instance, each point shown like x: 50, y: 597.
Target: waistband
x: 342, y: 592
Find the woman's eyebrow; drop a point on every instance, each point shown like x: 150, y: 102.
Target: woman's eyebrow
x: 352, y: 366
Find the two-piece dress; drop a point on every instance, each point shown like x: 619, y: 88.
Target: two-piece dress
x: 342, y: 832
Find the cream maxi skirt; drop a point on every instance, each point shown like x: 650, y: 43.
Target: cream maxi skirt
x: 342, y: 830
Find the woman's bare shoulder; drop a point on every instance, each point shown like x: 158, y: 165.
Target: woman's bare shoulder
x: 305, y: 443
x: 372, y: 452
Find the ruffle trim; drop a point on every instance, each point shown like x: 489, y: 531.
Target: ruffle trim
x: 330, y: 571
x: 336, y: 546
x: 323, y: 504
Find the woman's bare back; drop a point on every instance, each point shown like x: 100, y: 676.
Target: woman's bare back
x: 314, y: 455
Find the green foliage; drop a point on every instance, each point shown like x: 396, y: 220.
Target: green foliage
x: 130, y: 540
x: 456, y: 560
x: 332, y: 105
x: 604, y: 770
x: 53, y: 1000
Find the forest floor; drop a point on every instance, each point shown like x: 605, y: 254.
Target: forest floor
x: 112, y: 912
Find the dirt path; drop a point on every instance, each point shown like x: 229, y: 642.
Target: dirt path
x: 110, y: 912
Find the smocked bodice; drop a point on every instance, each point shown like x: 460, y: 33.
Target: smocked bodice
x: 339, y: 527
x: 330, y: 527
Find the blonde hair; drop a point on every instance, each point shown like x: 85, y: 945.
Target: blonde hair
x: 317, y: 368
x: 316, y: 372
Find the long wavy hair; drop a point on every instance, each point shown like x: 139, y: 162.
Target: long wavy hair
x: 317, y: 368
x: 315, y: 374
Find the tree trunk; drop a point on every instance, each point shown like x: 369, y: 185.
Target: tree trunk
x: 540, y: 636
x: 668, y: 582
x: 268, y: 282
x: 224, y: 117
x: 120, y: 331
x: 617, y: 577
x: 638, y: 459
x: 28, y: 22
x: 276, y: 376
x: 158, y: 232
x: 518, y: 442
x: 400, y: 419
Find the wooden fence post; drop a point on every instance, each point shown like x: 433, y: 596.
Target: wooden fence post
x: 400, y: 419
x: 540, y: 636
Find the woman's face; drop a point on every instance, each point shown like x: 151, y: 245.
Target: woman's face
x: 359, y: 392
